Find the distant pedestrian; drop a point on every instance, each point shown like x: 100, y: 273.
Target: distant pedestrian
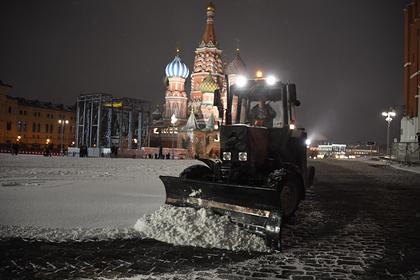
x: 15, y: 149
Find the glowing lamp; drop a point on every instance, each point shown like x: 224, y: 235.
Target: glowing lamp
x: 270, y: 80
x: 241, y: 81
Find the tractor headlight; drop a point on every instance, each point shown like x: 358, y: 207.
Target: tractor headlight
x: 227, y: 156
x: 243, y: 156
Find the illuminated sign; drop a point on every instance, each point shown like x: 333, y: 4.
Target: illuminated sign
x: 165, y: 130
x: 114, y: 104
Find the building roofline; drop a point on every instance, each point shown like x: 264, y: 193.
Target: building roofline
x: 41, y: 104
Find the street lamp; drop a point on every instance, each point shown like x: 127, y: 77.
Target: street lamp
x: 62, y: 122
x: 173, y: 122
x: 388, y: 118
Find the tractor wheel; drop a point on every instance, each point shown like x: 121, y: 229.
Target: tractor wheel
x: 289, y: 198
x: 196, y: 172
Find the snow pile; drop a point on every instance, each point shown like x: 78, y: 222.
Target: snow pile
x: 200, y: 228
x: 62, y: 235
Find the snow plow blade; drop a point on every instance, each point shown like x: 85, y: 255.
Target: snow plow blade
x: 257, y: 209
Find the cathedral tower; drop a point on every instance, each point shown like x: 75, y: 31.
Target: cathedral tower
x: 234, y: 69
x: 175, y: 97
x: 207, y: 61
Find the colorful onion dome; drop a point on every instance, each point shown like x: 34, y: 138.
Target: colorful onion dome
x: 208, y: 85
x: 177, y: 69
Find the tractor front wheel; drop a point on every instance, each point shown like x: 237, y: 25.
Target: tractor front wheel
x: 196, y: 172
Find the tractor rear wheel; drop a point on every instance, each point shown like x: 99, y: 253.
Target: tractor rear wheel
x: 289, y: 198
x: 196, y: 172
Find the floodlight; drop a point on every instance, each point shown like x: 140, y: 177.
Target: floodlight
x: 241, y: 81
x: 270, y: 80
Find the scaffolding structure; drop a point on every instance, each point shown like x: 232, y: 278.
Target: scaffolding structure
x: 103, y: 121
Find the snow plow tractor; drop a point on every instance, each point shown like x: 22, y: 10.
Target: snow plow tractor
x: 261, y: 176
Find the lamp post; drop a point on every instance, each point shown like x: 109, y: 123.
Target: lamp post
x: 173, y: 122
x: 388, y: 118
x: 62, y: 122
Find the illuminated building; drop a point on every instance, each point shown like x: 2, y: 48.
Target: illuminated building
x: 198, y: 135
x: 32, y: 123
x: 410, y: 124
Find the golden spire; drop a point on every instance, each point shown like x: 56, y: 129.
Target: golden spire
x: 211, y: 7
x: 209, y: 36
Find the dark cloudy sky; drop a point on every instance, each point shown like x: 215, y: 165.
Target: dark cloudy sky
x: 345, y: 56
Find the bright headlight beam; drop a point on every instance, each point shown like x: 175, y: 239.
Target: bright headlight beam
x: 271, y: 80
x: 241, y: 81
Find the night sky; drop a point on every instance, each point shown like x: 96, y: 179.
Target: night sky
x: 345, y: 56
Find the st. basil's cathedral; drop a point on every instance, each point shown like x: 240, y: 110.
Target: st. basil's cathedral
x: 195, y: 115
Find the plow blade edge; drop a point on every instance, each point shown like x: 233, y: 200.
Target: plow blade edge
x: 255, y: 208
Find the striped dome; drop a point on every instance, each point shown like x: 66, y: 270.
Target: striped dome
x: 177, y: 69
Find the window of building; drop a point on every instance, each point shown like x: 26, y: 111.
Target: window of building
x: 24, y: 112
x: 34, y: 114
x: 37, y: 136
x: 46, y: 128
x: 39, y: 114
x: 9, y: 126
x: 51, y: 129
x: 38, y: 128
x: 20, y: 126
x: 10, y: 110
x: 48, y: 115
x: 33, y: 127
x: 20, y: 112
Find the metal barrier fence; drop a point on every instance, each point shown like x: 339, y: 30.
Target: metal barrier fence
x: 406, y: 152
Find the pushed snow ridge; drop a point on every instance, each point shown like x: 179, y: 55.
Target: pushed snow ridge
x: 200, y: 228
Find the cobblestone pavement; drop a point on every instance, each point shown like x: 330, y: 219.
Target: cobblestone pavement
x: 360, y: 221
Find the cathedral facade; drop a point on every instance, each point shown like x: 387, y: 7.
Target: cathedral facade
x: 197, y: 116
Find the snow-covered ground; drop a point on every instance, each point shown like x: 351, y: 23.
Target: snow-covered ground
x: 393, y: 164
x: 66, y: 198
x: 71, y: 192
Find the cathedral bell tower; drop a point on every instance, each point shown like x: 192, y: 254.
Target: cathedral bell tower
x: 207, y: 61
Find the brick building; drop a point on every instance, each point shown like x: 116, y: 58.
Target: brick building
x: 410, y: 124
x: 32, y: 123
